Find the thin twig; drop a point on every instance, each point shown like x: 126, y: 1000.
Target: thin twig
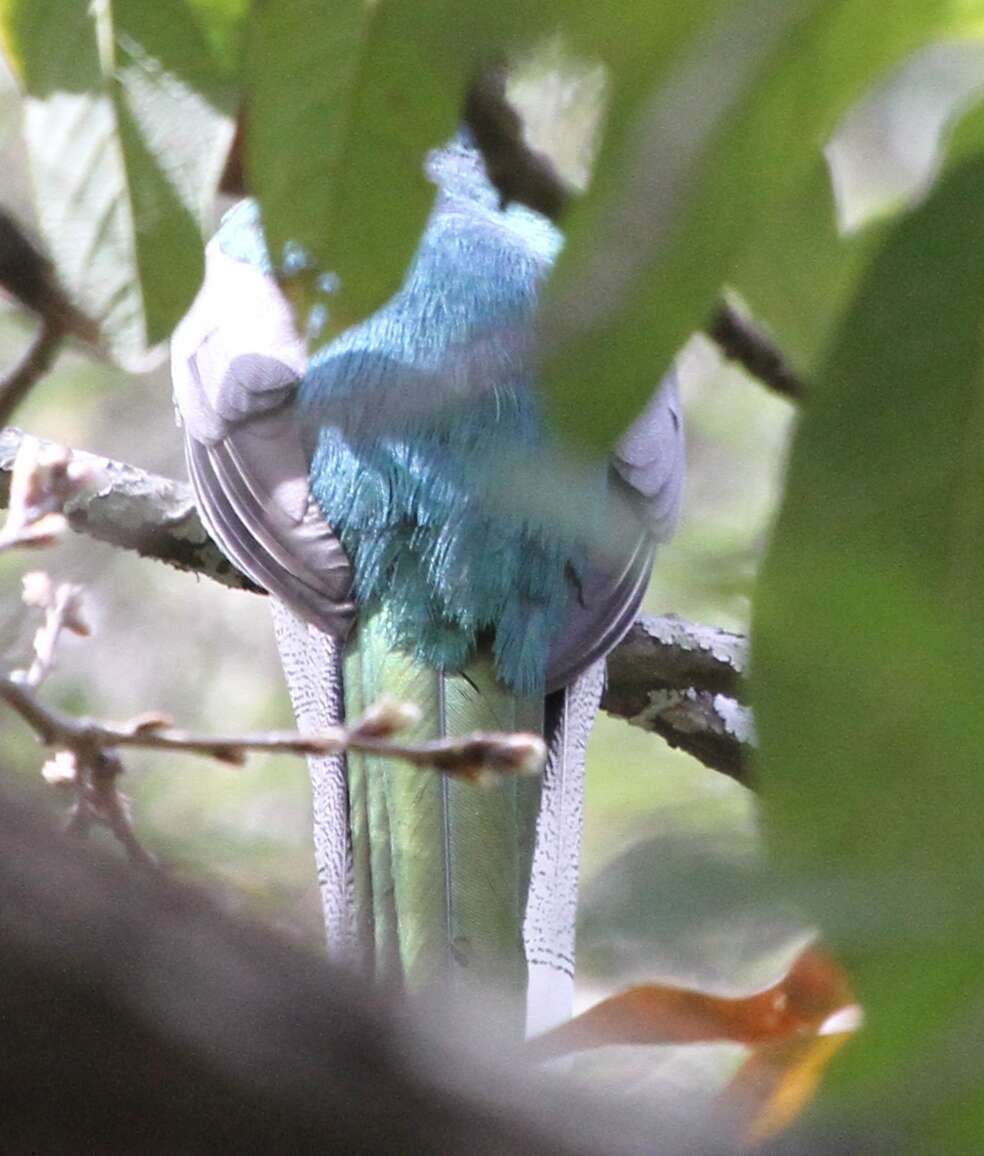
x: 27, y: 274
x: 742, y: 341
x: 43, y: 480
x: 112, y: 806
x: 87, y: 760
x: 34, y: 364
x: 62, y: 606
x: 466, y: 757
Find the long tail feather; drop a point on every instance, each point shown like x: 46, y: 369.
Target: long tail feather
x: 447, y: 862
x: 313, y: 671
x: 551, y: 912
x: 432, y: 882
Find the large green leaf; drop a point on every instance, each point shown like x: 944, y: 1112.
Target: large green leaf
x: 869, y: 653
x: 799, y: 272
x: 799, y: 278
x: 732, y: 131
x: 345, y: 99
x: 127, y: 122
x: 336, y: 138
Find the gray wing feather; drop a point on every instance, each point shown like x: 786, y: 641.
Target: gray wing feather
x: 647, y: 485
x: 236, y: 360
x: 651, y: 459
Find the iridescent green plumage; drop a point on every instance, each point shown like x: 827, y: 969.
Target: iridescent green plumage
x: 441, y: 865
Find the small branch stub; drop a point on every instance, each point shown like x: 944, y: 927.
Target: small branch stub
x: 44, y: 478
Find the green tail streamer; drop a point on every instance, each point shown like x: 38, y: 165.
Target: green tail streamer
x: 441, y: 866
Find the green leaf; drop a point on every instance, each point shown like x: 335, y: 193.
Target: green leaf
x: 336, y: 138
x: 869, y: 648
x: 799, y: 279
x: 732, y: 130
x: 800, y: 272
x: 336, y: 142
x: 223, y: 26
x: 126, y: 119
x: 694, y: 905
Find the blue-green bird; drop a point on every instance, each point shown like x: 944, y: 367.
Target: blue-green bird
x: 398, y: 495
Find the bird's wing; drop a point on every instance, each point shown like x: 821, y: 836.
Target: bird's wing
x: 236, y: 360
x: 647, y: 485
x: 650, y: 458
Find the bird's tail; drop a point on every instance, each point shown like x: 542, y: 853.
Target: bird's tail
x: 312, y: 663
x: 432, y: 883
x: 441, y: 866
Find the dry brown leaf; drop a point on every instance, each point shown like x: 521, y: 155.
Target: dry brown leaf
x: 813, y: 988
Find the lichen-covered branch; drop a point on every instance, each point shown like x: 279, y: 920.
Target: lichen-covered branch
x: 681, y: 680
x: 674, y: 678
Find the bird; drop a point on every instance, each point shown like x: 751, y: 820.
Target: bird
x: 399, y: 494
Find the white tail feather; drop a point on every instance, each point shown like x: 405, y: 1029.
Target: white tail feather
x: 312, y: 663
x: 551, y: 909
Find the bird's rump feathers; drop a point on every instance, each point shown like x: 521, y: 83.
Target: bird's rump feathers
x: 414, y: 427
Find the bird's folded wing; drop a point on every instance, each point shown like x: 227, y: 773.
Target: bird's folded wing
x: 650, y: 458
x: 647, y: 483
x: 236, y: 361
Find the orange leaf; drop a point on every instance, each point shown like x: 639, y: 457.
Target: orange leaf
x: 814, y: 987
x: 779, y: 1080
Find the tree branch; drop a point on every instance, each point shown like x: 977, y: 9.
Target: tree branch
x: 519, y: 172
x: 742, y: 341
x: 676, y: 679
x: 681, y: 681
x: 34, y: 364
x: 87, y: 759
x: 28, y: 275
x: 62, y: 606
x: 128, y: 507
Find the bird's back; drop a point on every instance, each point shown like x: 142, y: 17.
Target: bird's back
x: 424, y: 499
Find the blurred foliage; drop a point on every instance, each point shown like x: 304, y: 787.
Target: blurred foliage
x: 723, y: 121
x: 126, y: 123
x: 870, y: 621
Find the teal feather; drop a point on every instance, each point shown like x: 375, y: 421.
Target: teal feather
x: 424, y: 510
x: 421, y: 512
